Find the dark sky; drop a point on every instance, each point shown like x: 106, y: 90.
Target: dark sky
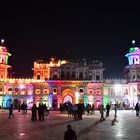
x: 100, y: 30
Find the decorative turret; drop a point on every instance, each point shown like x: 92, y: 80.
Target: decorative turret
x: 133, y: 55
x: 4, y: 54
x: 132, y: 71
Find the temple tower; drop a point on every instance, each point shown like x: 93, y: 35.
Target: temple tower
x: 4, y: 54
x: 132, y: 71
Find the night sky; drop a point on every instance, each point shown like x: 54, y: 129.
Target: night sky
x: 70, y: 30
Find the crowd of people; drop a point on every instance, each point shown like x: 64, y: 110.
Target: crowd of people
x: 38, y: 113
x: 77, y: 110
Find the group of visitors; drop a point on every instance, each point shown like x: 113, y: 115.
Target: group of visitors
x: 90, y: 109
x: 107, y: 109
x: 75, y: 110
x: 41, y: 110
x: 24, y: 107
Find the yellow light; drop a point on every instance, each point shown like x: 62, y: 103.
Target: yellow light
x: 63, y: 62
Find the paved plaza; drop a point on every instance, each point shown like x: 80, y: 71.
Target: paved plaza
x: 127, y: 126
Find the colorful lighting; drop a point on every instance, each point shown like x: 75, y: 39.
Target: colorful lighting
x: 21, y: 86
x: 131, y: 50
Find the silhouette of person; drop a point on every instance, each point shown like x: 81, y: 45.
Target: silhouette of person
x: 107, y: 109
x: 34, y: 113
x: 11, y: 111
x: 102, y: 113
x: 137, y: 109
x: 70, y: 134
x: 115, y: 108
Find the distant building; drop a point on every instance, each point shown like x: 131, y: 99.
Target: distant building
x: 60, y: 81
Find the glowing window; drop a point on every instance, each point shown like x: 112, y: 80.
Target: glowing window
x: 136, y: 61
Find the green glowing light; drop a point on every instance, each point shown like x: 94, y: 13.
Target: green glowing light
x: 131, y: 50
x: 6, y: 59
x: 106, y: 100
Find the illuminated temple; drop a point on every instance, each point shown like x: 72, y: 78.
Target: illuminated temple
x: 60, y: 81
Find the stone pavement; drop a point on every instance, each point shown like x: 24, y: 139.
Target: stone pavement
x: 127, y: 126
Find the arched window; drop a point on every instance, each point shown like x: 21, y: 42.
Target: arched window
x: 45, y: 91
x: 80, y: 75
x: 38, y: 77
x: 10, y: 89
x: 16, y: 90
x: 62, y: 74
x: 97, y: 77
x: 55, y: 76
x: 68, y: 75
x: 0, y: 89
x: 73, y: 75
x: 37, y: 91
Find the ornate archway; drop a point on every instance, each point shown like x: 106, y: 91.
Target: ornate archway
x: 68, y: 95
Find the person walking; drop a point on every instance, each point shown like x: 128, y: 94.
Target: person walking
x: 102, y: 113
x: 107, y: 109
x: 39, y: 112
x: 11, y: 111
x: 75, y: 111
x: 70, y: 134
x: 19, y: 107
x: 115, y: 108
x: 34, y: 113
x: 137, y: 109
x: 42, y: 111
x: 26, y: 108
x: 70, y: 107
x: 93, y: 109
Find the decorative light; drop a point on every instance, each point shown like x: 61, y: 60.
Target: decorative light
x: 133, y: 42
x: 117, y: 87
x: 21, y: 86
x: 2, y: 41
x: 131, y: 50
